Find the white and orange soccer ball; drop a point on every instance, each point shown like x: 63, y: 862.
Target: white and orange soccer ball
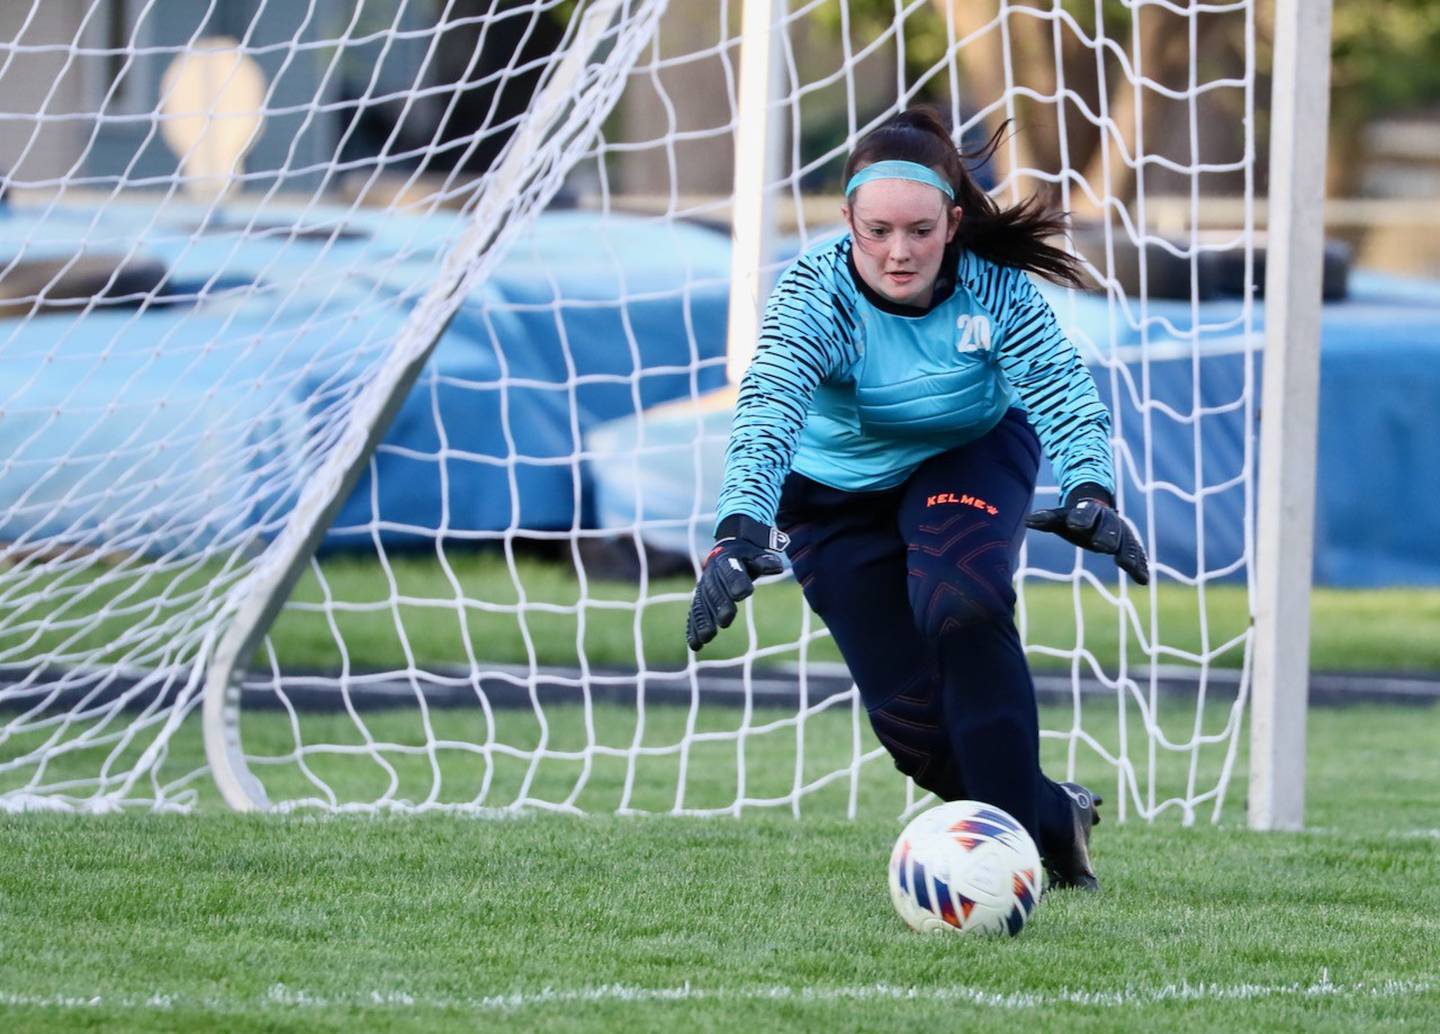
x: 965, y: 867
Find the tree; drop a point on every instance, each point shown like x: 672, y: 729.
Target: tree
x: 1386, y: 57
x: 1007, y: 62
x: 1386, y: 60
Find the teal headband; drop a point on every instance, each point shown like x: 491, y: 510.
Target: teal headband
x: 899, y: 170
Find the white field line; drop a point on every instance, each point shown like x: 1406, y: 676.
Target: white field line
x: 1393, y: 834
x: 280, y: 996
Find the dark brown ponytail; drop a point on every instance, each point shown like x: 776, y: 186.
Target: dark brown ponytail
x: 1017, y: 236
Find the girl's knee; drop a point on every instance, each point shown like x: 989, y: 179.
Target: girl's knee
x: 947, y: 602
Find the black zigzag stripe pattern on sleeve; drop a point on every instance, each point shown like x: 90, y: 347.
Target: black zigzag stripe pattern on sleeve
x: 808, y: 333
x: 1046, y: 371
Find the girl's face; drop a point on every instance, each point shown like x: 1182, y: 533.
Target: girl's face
x: 900, y: 230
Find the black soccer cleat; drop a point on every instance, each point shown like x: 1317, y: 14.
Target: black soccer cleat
x: 1071, y: 868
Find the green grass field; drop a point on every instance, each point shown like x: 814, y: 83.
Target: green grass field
x: 1380, y: 630
x: 516, y: 611
x: 764, y: 921
x: 552, y: 922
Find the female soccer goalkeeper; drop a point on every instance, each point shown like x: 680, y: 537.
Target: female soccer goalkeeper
x: 890, y: 425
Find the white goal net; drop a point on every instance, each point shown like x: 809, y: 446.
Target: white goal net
x: 365, y: 389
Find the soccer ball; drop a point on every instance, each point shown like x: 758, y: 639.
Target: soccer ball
x: 965, y: 867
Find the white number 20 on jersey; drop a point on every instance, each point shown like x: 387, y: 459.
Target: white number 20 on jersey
x: 974, y: 334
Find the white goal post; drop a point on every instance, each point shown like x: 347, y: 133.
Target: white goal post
x: 369, y: 368
x: 1299, y: 120
x: 578, y: 92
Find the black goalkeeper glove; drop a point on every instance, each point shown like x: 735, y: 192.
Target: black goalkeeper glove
x: 744, y: 550
x: 1088, y: 520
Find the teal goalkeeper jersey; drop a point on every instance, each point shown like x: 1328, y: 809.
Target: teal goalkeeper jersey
x: 855, y: 392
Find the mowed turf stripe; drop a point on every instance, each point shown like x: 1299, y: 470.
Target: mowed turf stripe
x: 281, y: 996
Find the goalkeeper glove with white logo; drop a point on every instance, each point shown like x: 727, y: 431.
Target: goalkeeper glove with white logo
x: 1088, y: 520
x: 744, y: 550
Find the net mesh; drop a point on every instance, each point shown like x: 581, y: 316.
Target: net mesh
x: 230, y: 225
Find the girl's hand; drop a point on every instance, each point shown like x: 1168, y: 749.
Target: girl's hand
x: 728, y: 575
x: 1092, y: 524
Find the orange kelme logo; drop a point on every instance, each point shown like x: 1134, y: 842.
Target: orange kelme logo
x: 961, y: 500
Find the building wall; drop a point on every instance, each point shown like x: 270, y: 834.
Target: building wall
x: 691, y: 97
x: 699, y: 96
x: 132, y: 149
x: 40, y: 150
x: 115, y: 139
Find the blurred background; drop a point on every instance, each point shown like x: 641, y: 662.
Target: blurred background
x: 395, y: 111
x: 1384, y: 166
x: 382, y: 120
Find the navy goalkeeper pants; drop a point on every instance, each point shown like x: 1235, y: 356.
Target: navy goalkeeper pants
x: 915, y: 584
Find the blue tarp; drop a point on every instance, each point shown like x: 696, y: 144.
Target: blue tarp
x: 1378, y: 505
x: 171, y: 427
x: 165, y: 427
x: 561, y: 339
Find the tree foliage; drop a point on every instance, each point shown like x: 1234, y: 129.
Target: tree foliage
x: 1385, y: 59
